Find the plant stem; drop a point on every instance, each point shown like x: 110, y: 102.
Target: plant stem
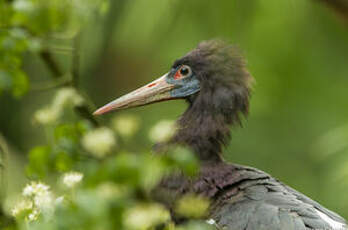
x: 83, y: 110
x: 76, y: 62
x: 51, y: 63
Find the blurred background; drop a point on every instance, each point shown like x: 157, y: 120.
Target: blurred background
x: 297, y: 50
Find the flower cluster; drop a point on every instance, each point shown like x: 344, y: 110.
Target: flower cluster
x: 146, y: 216
x: 162, y: 131
x: 65, y: 96
x: 21, y: 207
x: 126, y: 125
x: 192, y: 206
x: 71, y: 179
x: 99, y: 142
x: 37, y: 199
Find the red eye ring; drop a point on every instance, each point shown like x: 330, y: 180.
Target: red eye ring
x: 183, y: 71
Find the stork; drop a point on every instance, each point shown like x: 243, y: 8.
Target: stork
x: 214, y: 81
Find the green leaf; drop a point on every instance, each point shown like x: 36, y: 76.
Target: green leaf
x: 126, y: 169
x: 152, y: 171
x: 15, y: 81
x: 185, y: 159
x: 192, y: 206
x: 20, y: 83
x: 39, y: 161
x: 5, y: 81
x: 63, y: 162
x: 67, y: 131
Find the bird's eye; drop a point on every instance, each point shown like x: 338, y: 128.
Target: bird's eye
x: 184, y: 71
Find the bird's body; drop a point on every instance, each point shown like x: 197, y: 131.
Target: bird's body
x: 245, y: 198
x: 215, y: 83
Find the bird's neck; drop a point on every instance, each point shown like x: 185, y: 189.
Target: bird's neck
x: 205, y: 125
x: 204, y: 131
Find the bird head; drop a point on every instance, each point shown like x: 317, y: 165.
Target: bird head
x: 211, y: 66
x: 215, y: 82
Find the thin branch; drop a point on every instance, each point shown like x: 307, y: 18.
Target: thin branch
x: 76, y: 62
x: 108, y: 32
x: 83, y: 111
x: 109, y: 27
x: 51, y: 63
x: 116, y: 7
x: 112, y: 17
x: 44, y: 86
x: 66, y: 49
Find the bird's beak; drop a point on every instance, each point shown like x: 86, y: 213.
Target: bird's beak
x: 158, y: 90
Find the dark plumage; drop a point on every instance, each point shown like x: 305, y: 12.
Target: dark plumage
x: 214, y: 81
x: 223, y: 98
x: 242, y: 197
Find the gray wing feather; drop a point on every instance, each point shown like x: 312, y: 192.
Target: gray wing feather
x: 267, y: 204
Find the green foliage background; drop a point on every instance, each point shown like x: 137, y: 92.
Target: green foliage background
x: 297, y: 51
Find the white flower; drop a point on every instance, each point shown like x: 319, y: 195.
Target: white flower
x: 44, y: 200
x: 211, y: 221
x: 23, y: 6
x: 50, y: 114
x: 40, y: 193
x: 72, y: 178
x: 162, y: 131
x: 66, y: 96
x: 145, y: 216
x: 125, y: 125
x: 28, y: 190
x: 47, y: 115
x: 109, y: 190
x: 33, y: 215
x: 99, y: 141
x: 38, y: 200
x: 35, y: 189
x: 21, y: 206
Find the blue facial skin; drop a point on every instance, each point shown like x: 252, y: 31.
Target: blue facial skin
x: 185, y: 86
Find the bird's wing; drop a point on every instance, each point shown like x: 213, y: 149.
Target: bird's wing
x: 257, y: 204
x: 322, y: 210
